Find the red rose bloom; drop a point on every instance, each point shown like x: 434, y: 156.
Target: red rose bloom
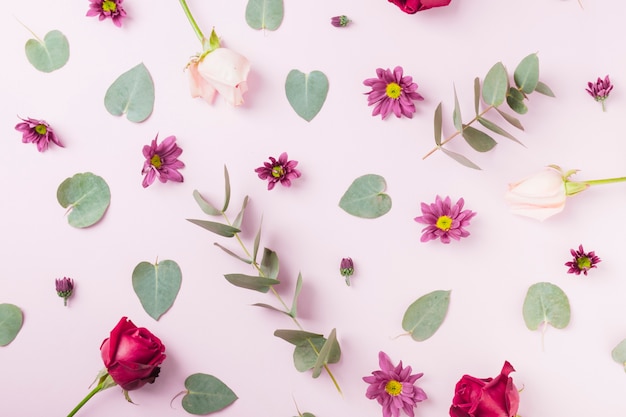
x: 132, y: 355
x: 414, y: 6
x: 488, y: 397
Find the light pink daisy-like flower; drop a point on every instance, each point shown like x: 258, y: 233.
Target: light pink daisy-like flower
x: 107, y: 8
x: 392, y: 92
x: 582, y: 262
x: 38, y: 132
x: 162, y: 161
x: 444, y: 220
x: 600, y: 90
x: 282, y: 170
x: 394, y: 387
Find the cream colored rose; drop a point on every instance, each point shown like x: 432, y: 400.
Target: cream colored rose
x: 539, y: 196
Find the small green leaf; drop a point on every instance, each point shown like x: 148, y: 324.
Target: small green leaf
x: 87, y: 196
x: 546, y: 303
x: 132, y: 93
x: 425, y: 315
x: 497, y: 129
x: 478, y: 140
x: 526, y: 74
x: 516, y: 105
x: 157, y: 286
x: 544, y: 89
x: 251, y: 282
x: 297, y: 337
x: 269, y: 264
x: 233, y: 254
x: 239, y: 219
x: 516, y: 94
x: 306, y: 93
x: 456, y: 114
x: 495, y: 85
x: 50, y: 54
x: 512, y: 120
x: 264, y: 14
x: 11, y: 319
x: 305, y: 355
x: 294, y: 303
x: 324, y: 353
x: 460, y: 159
x: 217, y: 228
x: 226, y: 190
x: 619, y: 353
x: 269, y: 307
x: 365, y: 198
x: 206, y: 394
x: 205, y: 206
x: 476, y: 94
x: 438, y: 124
x: 257, y: 240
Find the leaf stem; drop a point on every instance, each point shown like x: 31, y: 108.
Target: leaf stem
x: 604, y: 181
x: 194, y: 25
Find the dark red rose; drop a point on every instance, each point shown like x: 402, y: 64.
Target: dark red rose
x: 488, y: 397
x: 414, y: 6
x: 132, y: 355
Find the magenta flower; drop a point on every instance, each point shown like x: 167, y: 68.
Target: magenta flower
x: 281, y: 170
x: 107, y: 8
x: 600, y: 90
x: 392, y: 92
x: 162, y: 161
x: 394, y: 387
x: 582, y: 262
x: 444, y: 221
x: 346, y: 269
x: 37, y: 131
x: 64, y: 288
x: 340, y: 21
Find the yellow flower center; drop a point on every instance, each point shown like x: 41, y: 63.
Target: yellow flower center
x: 583, y: 263
x: 41, y: 129
x: 444, y: 223
x: 156, y: 161
x: 393, y: 90
x: 109, y: 6
x: 393, y: 388
x: 278, y: 171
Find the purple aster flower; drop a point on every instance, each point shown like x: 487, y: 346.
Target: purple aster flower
x: 281, y: 170
x: 600, y: 90
x: 582, y: 262
x: 64, y: 288
x: 346, y: 269
x: 394, y: 387
x: 392, y: 92
x: 37, y: 131
x: 162, y: 161
x: 444, y: 220
x: 340, y: 21
x: 107, y: 8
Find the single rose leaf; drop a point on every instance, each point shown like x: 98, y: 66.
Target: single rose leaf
x: 305, y: 355
x: 265, y: 14
x: 426, y: 314
x: 49, y: 54
x: 526, y: 75
x: 460, y: 158
x: 619, y: 353
x: 365, y: 198
x: 233, y: 254
x: 512, y: 120
x: 269, y: 264
x: 497, y: 129
x: 306, y: 93
x: 293, y: 312
x: 157, y: 286
x: 438, y: 125
x: 546, y: 303
x: 251, y: 282
x: 324, y: 353
x: 206, y: 394
x: 11, y: 320
x: 217, y: 228
x: 297, y: 337
x: 132, y: 93
x: 205, y: 206
x: 87, y: 196
x: 544, y: 89
x: 456, y: 114
x: 495, y: 84
x: 239, y: 219
x: 476, y: 94
x: 479, y: 141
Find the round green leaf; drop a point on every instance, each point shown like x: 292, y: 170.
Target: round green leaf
x: 157, y: 286
x: 425, y: 315
x: 48, y: 54
x: 495, y: 85
x: 206, y: 394
x: 131, y: 93
x: 365, y: 197
x: 619, y: 353
x: 264, y: 14
x: 11, y: 319
x: 87, y: 196
x: 306, y: 93
x: 526, y: 74
x: 546, y: 303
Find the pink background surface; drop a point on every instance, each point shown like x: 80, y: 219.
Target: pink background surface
x: 212, y: 328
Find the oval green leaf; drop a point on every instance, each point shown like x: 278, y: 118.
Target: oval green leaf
x: 546, y: 303
x: 157, y: 286
x: 205, y: 206
x: 132, y: 93
x: 87, y: 196
x: 424, y: 317
x: 512, y: 120
x: 479, y: 141
x: 495, y: 85
x: 306, y: 93
x: 497, y: 129
x: 438, y: 125
x: 217, y: 228
x: 265, y: 14
x: 206, y: 394
x: 460, y: 159
x: 476, y: 94
x: 526, y: 74
x: 516, y: 105
x: 619, y: 353
x: 544, y: 89
x: 49, y: 54
x: 296, y: 337
x: 11, y: 319
x: 269, y: 264
x: 251, y: 282
x: 365, y: 198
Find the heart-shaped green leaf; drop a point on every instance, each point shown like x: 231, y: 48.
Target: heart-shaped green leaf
x: 365, y: 197
x: 206, y: 394
x: 11, y: 319
x: 306, y: 92
x: 546, y: 303
x: 157, y: 286
x: 425, y: 315
x: 87, y: 196
x: 264, y: 14
x: 131, y: 93
x: 48, y: 54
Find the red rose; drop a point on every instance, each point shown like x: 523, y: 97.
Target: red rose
x: 132, y: 355
x: 414, y: 6
x: 488, y: 397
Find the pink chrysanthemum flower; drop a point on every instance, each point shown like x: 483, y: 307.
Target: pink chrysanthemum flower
x: 162, y: 161
x: 282, y: 170
x: 38, y: 132
x: 394, y: 387
x: 107, y: 8
x: 582, y: 262
x: 392, y: 92
x: 600, y: 90
x: 64, y: 287
x: 444, y: 220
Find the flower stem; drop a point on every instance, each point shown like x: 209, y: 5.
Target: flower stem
x: 194, y: 25
x: 93, y: 392
x: 605, y: 181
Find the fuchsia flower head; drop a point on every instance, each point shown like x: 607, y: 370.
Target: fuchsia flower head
x: 392, y: 92
x: 38, y: 132
x: 282, y: 170
x: 107, y: 9
x: 582, y: 261
x: 444, y: 220
x: 162, y: 161
x: 600, y: 90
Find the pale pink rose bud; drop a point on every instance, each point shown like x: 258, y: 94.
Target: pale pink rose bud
x: 539, y: 196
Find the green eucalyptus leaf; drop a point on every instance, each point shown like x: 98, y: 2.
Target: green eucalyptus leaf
x: 438, y: 125
x: 49, y: 54
x: 544, y: 89
x: 305, y: 355
x: 460, y: 159
x: 206, y: 394
x: 269, y: 307
x: 306, y: 415
x: 306, y: 93
x: 205, y: 206
x: 516, y: 105
x: 217, y: 228
x: 425, y: 315
x: 365, y: 198
x: 497, y: 129
x: 87, y: 196
x: 526, y: 75
x: 264, y: 14
x: 546, y: 303
x: 157, y: 286
x: 257, y: 240
x: 512, y: 120
x: 251, y: 282
x: 476, y: 95
x: 239, y: 219
x: 11, y: 320
x: 293, y: 312
x: 297, y: 337
x: 516, y: 94
x: 269, y: 264
x: 226, y: 190
x: 619, y: 353
x: 233, y: 254
x: 495, y: 85
x: 478, y: 140
x: 456, y: 114
x: 132, y: 93
x: 324, y: 353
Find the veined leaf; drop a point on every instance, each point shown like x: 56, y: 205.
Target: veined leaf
x: 425, y: 315
x: 495, y: 128
x: 226, y: 189
x: 294, y: 303
x: 512, y: 120
x: 324, y: 353
x: 87, y: 196
x: 544, y: 89
x: 269, y: 263
x: 49, y: 54
x: 11, y: 320
x: 456, y: 114
x: 516, y: 105
x: 157, y: 286
x: 306, y: 93
x: 233, y: 254
x: 206, y: 394
x: 297, y: 337
x: 264, y: 14
x: 478, y: 140
x: 438, y: 124
x: 251, y: 282
x: 365, y: 197
x: 546, y: 303
x: 526, y: 74
x: 305, y: 355
x: 131, y: 93
x: 239, y: 219
x: 217, y: 228
x: 460, y: 159
x: 257, y: 240
x: 476, y: 94
x: 495, y: 85
x: 205, y: 206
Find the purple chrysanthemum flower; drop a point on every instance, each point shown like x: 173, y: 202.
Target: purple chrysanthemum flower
x: 394, y: 387
x: 64, y: 288
x: 340, y: 21
x: 444, y: 220
x: 582, y: 262
x: 600, y: 90
x: 392, y: 92
x: 281, y: 170
x: 107, y: 8
x: 162, y: 161
x: 37, y: 131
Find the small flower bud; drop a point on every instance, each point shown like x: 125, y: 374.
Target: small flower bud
x: 340, y: 21
x: 64, y: 288
x: 346, y: 269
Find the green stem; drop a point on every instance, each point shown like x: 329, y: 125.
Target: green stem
x: 194, y: 25
x: 93, y: 392
x: 605, y: 181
